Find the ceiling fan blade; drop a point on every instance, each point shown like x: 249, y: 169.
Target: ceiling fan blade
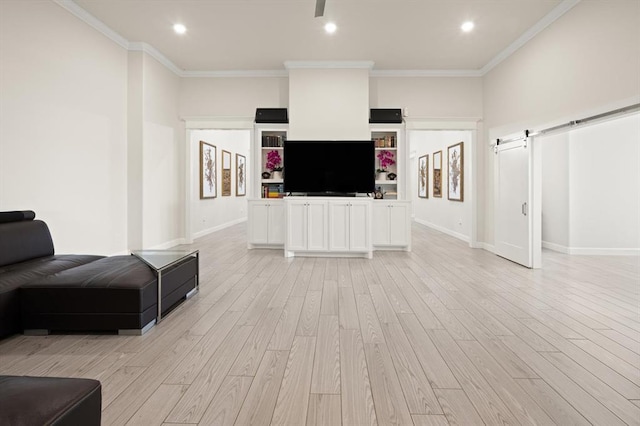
x: 319, y: 8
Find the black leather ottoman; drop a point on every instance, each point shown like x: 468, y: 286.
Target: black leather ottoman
x: 114, y: 293
x: 36, y: 401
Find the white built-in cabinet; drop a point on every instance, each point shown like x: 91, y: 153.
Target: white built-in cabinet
x: 389, y: 138
x: 266, y: 223
x: 392, y: 224
x: 307, y: 225
x: 268, y: 138
x: 330, y: 226
x: 350, y: 225
x: 324, y: 226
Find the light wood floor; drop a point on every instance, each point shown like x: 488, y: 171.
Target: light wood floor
x: 442, y: 335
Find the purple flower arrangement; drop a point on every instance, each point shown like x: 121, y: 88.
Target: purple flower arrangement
x: 273, y: 161
x: 386, y: 159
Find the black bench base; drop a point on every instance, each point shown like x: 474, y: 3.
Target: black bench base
x: 116, y: 293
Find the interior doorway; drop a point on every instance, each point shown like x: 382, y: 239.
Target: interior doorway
x: 581, y: 186
x: 210, y: 214
x: 430, y: 163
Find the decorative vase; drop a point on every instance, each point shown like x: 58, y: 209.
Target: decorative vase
x: 276, y: 175
x: 381, y: 176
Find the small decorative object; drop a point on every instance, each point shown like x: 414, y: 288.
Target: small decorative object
x: 455, y: 155
x: 392, y: 176
x: 423, y: 176
x: 241, y: 182
x: 386, y: 160
x: 226, y: 173
x: 274, y: 162
x: 207, y: 170
x: 377, y: 194
x: 437, y: 174
x: 266, y: 175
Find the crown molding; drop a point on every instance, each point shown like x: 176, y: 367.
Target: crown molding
x: 92, y: 21
x: 234, y: 73
x: 548, y: 19
x: 426, y: 73
x: 328, y: 65
x: 100, y: 26
x: 157, y: 55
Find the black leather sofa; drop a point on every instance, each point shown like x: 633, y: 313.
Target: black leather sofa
x: 36, y: 401
x: 26, y: 254
x: 42, y: 292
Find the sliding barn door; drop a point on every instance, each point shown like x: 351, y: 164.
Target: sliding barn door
x: 513, y: 196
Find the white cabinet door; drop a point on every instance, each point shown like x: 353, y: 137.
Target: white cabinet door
x: 359, y: 222
x: 399, y: 224
x: 338, y: 226
x: 380, y: 226
x: 317, y: 224
x: 296, y: 225
x: 258, y: 222
x: 276, y: 222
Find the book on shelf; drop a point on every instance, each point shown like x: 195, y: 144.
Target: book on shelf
x: 269, y: 141
x: 270, y: 190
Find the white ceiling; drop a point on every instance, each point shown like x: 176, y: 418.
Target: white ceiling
x: 233, y: 35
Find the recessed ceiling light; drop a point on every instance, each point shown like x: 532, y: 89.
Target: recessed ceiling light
x: 330, y: 27
x: 467, y: 26
x: 179, y: 28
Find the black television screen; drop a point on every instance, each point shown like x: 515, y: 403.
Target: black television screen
x: 326, y: 167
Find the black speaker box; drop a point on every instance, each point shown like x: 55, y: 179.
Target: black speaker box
x: 272, y: 115
x: 385, y: 115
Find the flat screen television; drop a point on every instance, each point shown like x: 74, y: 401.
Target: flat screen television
x: 329, y: 167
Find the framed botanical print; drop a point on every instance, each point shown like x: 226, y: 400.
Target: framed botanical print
x: 207, y: 170
x: 455, y: 178
x: 437, y: 174
x: 241, y: 175
x: 226, y: 173
x: 423, y: 176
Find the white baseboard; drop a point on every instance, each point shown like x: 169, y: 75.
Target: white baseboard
x: 443, y: 230
x: 218, y: 228
x: 168, y: 244
x: 604, y: 251
x: 488, y: 247
x: 591, y: 251
x: 555, y: 247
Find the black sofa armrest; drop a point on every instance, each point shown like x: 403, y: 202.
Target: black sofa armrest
x: 24, y: 240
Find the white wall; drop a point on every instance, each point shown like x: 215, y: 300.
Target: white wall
x: 434, y: 97
x: 163, y: 157
x: 231, y: 97
x: 212, y: 214
x: 555, y: 189
x: 586, y: 62
x: 591, y: 188
x: 451, y: 217
x: 329, y: 104
x: 605, y: 187
x: 63, y: 127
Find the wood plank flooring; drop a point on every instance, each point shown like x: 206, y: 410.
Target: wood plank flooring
x: 442, y: 335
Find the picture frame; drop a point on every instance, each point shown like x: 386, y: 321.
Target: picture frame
x: 226, y: 174
x: 437, y: 174
x: 423, y: 176
x: 241, y: 175
x: 208, y: 172
x: 455, y: 172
